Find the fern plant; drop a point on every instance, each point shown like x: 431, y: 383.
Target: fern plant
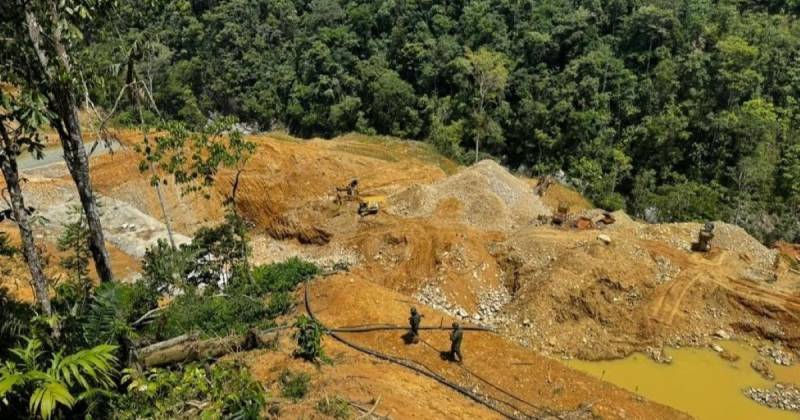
x: 62, y: 382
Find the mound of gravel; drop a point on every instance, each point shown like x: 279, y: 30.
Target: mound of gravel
x: 488, y: 197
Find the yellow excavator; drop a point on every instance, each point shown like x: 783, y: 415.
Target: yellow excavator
x: 370, y: 204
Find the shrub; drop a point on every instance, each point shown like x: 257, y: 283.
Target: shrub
x: 163, y: 266
x: 280, y: 303
x: 15, y: 318
x: 294, y: 385
x: 336, y: 407
x: 212, y: 315
x: 52, y: 382
x: 309, y: 339
x: 224, y: 390
x: 283, y: 277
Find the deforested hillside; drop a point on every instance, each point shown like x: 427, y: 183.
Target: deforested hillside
x: 474, y: 244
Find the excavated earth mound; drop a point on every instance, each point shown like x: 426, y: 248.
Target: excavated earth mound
x: 486, y: 197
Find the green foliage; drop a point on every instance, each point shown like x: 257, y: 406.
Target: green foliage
x: 309, y: 339
x: 16, y: 318
x: 336, y: 407
x: 294, y: 385
x: 74, y: 240
x: 700, y: 94
x: 683, y: 201
x: 192, y: 159
x: 58, y: 383
x: 284, y: 276
x: 211, y: 315
x: 163, y: 266
x: 223, y: 390
x: 6, y: 249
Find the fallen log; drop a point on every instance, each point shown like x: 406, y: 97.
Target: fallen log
x: 189, y: 347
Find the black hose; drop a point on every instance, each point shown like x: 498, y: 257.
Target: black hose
x: 368, y: 328
x: 461, y: 365
x: 426, y: 371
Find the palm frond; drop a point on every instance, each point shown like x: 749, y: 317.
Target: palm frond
x: 9, y: 380
x: 46, y: 397
x: 96, y: 363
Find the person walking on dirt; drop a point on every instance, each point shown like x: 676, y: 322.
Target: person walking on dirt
x: 704, y: 238
x: 414, y: 321
x: 455, y: 343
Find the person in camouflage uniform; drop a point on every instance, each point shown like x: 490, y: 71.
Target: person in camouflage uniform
x: 455, y: 343
x: 414, y: 321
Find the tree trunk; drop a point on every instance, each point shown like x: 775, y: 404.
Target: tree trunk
x: 61, y: 100
x: 187, y: 348
x: 11, y: 175
x: 78, y: 165
x: 164, y: 212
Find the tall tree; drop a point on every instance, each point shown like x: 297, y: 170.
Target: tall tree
x: 20, y: 118
x: 43, y: 33
x: 488, y: 71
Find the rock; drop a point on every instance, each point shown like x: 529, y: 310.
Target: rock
x: 731, y: 357
x: 604, y: 239
x: 722, y: 334
x: 526, y: 322
x: 717, y: 348
x: 784, y: 397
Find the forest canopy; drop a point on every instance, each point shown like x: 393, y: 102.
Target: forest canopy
x: 673, y: 110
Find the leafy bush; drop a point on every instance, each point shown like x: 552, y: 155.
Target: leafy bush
x: 336, y: 407
x: 15, y: 318
x: 54, y: 385
x: 224, y: 390
x: 163, y: 266
x: 212, y: 315
x: 309, y: 339
x: 294, y: 385
x: 283, y: 277
x: 682, y: 202
x: 280, y: 303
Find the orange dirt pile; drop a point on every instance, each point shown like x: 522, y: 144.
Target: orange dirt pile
x: 645, y: 289
x: 288, y: 187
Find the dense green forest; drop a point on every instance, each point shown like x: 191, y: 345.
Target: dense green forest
x: 674, y: 110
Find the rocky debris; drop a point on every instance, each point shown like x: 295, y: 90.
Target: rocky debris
x: 761, y: 365
x: 488, y: 198
x: 722, y: 334
x: 604, y: 239
x: 777, y: 355
x: 489, y: 311
x: 717, y: 348
x: 731, y: 357
x: 658, y: 355
x: 665, y: 270
x: 432, y: 296
x: 784, y: 397
x: 491, y: 305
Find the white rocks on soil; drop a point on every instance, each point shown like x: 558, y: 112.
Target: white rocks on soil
x: 781, y: 396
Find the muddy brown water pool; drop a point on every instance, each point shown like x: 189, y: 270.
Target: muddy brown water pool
x: 698, y: 381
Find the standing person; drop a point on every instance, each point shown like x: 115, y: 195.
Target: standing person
x: 455, y: 343
x: 414, y: 321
